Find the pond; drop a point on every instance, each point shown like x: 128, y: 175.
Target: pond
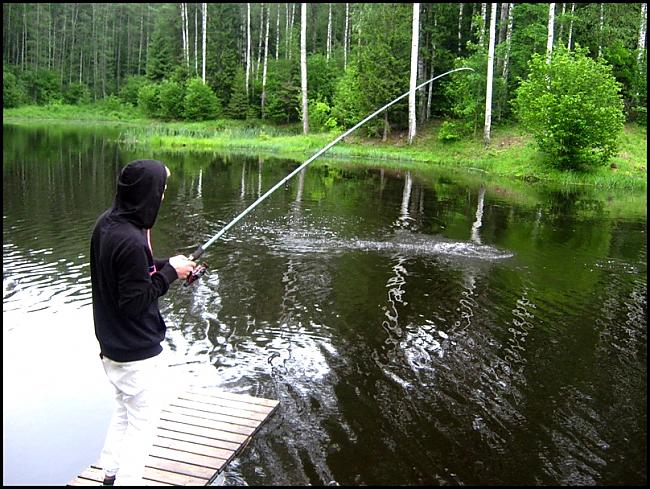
x: 418, y: 327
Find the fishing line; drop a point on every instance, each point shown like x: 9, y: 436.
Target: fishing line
x: 201, y: 269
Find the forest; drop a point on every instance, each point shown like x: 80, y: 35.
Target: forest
x: 201, y: 61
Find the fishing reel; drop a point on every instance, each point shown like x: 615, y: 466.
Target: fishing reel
x: 196, y: 274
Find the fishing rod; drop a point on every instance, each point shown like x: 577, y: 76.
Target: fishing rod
x: 201, y: 269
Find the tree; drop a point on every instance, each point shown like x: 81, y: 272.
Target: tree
x: 238, y: 104
x: 303, y: 67
x: 573, y: 108
x: 200, y: 102
x: 551, y: 24
x: 490, y: 71
x: 414, y: 71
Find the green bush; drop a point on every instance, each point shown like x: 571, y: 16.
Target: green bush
x: 319, y: 116
x: 13, y: 92
x: 200, y: 102
x: 42, y: 86
x: 131, y: 88
x: 171, y: 95
x: 573, y: 108
x: 348, y: 108
x: 449, y: 131
x: 148, y: 99
x: 76, y: 93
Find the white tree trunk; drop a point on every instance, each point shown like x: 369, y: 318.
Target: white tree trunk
x: 433, y: 57
x: 483, y: 23
x: 503, y: 20
x: 573, y: 7
x: 293, y: 10
x: 303, y: 66
x: 490, y: 73
x: 415, y: 34
x: 642, y: 34
x: 345, y: 37
x: 549, y: 39
x: 602, y: 25
x: 248, y: 44
x: 183, y: 29
x: 277, y: 33
x: 329, y: 33
x: 506, y: 57
x: 266, y: 55
x: 460, y: 21
x: 259, y: 45
x: 204, y: 32
x: 196, y: 41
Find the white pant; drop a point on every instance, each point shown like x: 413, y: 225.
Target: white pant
x: 138, y: 394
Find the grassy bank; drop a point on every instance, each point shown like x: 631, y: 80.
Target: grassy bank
x: 511, y: 154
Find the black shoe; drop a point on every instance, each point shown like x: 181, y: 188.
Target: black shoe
x: 108, y: 481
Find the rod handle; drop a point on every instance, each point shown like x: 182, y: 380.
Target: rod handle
x: 197, y: 253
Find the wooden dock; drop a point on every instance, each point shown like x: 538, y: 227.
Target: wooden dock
x: 197, y: 436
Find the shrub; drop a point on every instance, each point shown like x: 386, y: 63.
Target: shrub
x: 42, y: 86
x: 319, y: 116
x: 573, y: 108
x: 347, y: 107
x: 171, y: 95
x: 200, y: 102
x: 131, y: 88
x: 13, y: 93
x: 148, y: 100
x: 449, y: 131
x: 76, y: 93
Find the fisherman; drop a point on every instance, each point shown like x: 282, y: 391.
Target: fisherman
x: 126, y: 284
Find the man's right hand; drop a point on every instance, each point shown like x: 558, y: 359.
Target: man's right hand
x: 183, y: 266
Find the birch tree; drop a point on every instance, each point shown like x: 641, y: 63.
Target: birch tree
x: 266, y: 55
x: 460, y: 23
x: 414, y: 71
x: 345, y: 37
x: 329, y: 33
x: 303, y: 66
x: 204, y: 32
x: 490, y: 72
x: 248, y: 44
x: 600, y: 30
x: 573, y: 7
x: 277, y: 32
x: 506, y: 56
x: 483, y: 24
x: 642, y: 34
x: 549, y: 39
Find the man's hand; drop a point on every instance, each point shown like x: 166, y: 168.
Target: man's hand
x: 183, y: 266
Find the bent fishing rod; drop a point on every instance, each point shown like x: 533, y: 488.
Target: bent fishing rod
x: 201, y: 269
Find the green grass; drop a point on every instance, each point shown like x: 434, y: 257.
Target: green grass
x: 512, y: 153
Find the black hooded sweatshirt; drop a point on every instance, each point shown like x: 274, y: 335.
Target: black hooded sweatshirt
x: 126, y: 280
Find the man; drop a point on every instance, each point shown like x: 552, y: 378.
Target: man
x: 126, y: 284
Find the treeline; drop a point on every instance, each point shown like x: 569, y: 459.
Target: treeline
x: 201, y: 61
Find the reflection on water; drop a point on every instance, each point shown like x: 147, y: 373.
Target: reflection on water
x: 416, y: 329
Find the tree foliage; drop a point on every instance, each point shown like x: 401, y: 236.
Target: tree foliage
x: 200, y: 102
x: 573, y: 108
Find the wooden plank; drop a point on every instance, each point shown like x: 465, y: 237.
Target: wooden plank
x: 207, y: 423
x: 242, y: 406
x: 235, y: 397
x: 223, y: 414
x: 172, y: 478
x: 197, y: 439
x: 193, y: 448
x: 225, y: 439
x: 181, y: 468
x: 190, y: 458
x: 78, y: 481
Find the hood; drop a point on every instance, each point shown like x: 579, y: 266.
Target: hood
x: 140, y: 187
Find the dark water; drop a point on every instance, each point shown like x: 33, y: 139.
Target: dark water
x: 417, y: 328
